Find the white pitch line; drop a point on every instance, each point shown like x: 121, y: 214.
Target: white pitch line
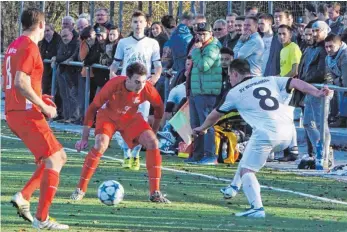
x: 213, y: 177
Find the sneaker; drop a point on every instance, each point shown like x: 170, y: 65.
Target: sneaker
x: 50, y: 224
x: 208, y: 161
x: 158, y: 197
x: 229, y: 191
x: 135, y: 164
x: 255, y: 213
x: 77, y: 195
x: 23, y: 207
x: 126, y: 163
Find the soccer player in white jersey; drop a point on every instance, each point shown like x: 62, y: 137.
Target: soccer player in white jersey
x: 136, y: 48
x: 259, y: 102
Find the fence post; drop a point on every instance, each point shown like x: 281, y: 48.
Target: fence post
x: 170, y: 8
x: 120, y: 15
x: 67, y: 8
x: 230, y: 7
x: 271, y: 7
x: 243, y: 7
x: 180, y: 8
x: 150, y: 8
x: 87, y: 92
x: 111, y: 11
x: 42, y: 6
x: 321, y: 155
x: 192, y: 6
x: 54, y: 80
x: 91, y: 12
x: 20, y: 14
x: 202, y: 7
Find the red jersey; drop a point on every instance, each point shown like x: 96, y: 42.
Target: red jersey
x: 120, y: 105
x: 22, y: 55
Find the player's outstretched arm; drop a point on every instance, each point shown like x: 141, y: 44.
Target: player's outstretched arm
x: 113, y: 68
x: 23, y: 84
x: 211, y: 119
x: 308, y: 88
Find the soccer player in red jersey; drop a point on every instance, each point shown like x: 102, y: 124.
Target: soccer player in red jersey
x: 116, y: 106
x: 25, y: 108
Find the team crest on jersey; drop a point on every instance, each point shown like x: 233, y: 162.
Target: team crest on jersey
x: 136, y: 100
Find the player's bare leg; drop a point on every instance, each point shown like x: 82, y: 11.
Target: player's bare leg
x: 153, y: 164
x: 251, y: 188
x: 48, y: 187
x: 90, y: 164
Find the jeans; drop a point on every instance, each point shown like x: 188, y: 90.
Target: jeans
x: 312, y: 124
x: 200, y: 107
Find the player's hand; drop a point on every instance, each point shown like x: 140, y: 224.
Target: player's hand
x: 199, y: 131
x: 49, y: 111
x: 81, y: 145
x: 48, y: 100
x: 153, y: 79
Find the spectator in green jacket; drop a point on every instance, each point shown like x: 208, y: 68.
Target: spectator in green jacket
x: 205, y: 86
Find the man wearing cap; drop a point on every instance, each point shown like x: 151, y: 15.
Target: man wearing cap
x: 251, y: 46
x: 206, y: 84
x: 314, y: 72
x: 311, y: 12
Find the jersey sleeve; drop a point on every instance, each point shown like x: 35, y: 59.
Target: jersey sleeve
x: 296, y: 55
x: 283, y: 83
x: 154, y: 98
x: 156, y: 51
x: 119, y: 55
x: 26, y: 60
x: 226, y: 104
x: 100, y: 99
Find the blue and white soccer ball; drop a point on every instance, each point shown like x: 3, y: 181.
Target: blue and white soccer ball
x: 111, y: 192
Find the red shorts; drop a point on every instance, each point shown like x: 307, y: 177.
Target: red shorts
x: 130, y: 130
x: 32, y: 128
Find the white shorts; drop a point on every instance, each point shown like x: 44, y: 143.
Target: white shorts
x: 258, y: 150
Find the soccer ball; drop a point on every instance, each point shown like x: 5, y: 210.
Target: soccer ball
x: 111, y: 192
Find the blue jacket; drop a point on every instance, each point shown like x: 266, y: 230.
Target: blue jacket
x: 178, y: 43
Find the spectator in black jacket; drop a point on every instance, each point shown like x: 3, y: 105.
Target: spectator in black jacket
x: 102, y: 19
x: 157, y: 32
x: 67, y: 76
x: 101, y: 76
x: 48, y: 49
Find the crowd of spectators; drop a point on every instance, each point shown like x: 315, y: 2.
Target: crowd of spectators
x: 195, y: 55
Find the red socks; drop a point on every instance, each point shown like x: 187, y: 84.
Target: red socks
x: 90, y: 164
x: 48, y: 188
x: 33, y: 183
x: 153, y: 164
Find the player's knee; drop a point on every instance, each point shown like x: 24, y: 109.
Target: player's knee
x: 151, y: 143
x: 245, y: 170
x: 101, y: 143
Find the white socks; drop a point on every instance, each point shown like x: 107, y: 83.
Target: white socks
x: 237, y: 178
x: 251, y: 188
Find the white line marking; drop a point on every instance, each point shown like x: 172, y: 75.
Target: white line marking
x: 213, y: 177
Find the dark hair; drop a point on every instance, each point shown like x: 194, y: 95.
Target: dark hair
x: 119, y: 32
x: 226, y: 50
x: 279, y: 10
x: 138, y: 13
x: 267, y: 17
x: 310, y: 7
x: 136, y: 68
x: 242, y: 18
x: 335, y: 5
x: 240, y: 66
x: 31, y: 17
x: 286, y: 27
x: 255, y: 20
x: 168, y: 21
x: 189, y: 57
x: 309, y: 25
x: 86, y: 33
x: 323, y: 9
x: 333, y: 37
